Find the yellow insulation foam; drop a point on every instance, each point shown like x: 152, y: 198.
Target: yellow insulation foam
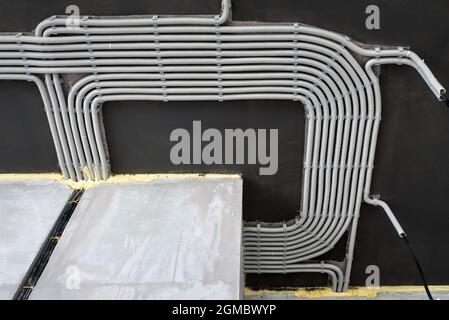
x: 121, y: 178
x: 31, y: 176
x: 356, y: 292
x: 308, y: 293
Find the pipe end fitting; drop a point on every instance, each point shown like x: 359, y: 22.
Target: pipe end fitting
x: 444, y: 98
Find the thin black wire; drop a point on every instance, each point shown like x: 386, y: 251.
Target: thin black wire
x: 421, y: 272
x: 40, y: 261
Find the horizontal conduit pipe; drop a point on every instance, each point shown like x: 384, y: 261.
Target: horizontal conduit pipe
x: 48, y: 112
x: 146, y: 59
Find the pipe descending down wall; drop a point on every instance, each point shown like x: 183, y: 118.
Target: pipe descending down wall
x: 214, y: 59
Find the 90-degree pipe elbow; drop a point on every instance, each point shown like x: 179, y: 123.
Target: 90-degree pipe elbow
x: 388, y: 211
x: 421, y: 67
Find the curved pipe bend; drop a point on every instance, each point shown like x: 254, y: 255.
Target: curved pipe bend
x: 155, y: 20
x: 315, y: 231
x: 49, y: 113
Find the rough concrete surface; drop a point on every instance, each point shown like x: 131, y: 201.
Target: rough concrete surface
x: 28, y: 210
x: 167, y: 239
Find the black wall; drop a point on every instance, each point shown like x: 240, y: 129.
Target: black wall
x: 411, y: 167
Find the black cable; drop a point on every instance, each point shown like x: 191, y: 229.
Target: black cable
x: 40, y: 261
x: 421, y: 272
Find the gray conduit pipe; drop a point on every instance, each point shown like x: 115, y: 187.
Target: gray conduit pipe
x: 299, y: 59
x: 59, y: 127
x: 378, y: 108
x: 94, y: 113
x: 226, y: 77
x: 407, y: 55
x: 343, y: 164
x: 81, y: 97
x: 226, y: 8
x: 64, y: 111
x: 155, y: 22
x: 157, y: 95
x: 217, y: 20
x: 221, y: 19
x: 48, y: 111
x: 333, y: 271
x: 389, y: 213
x: 304, y: 258
x: 70, y: 141
x: 114, y: 22
x: 433, y: 85
x: 366, y: 194
x: 436, y: 87
x: 74, y: 91
x: 62, y: 105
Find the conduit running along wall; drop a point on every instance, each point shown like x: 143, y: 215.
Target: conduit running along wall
x: 210, y: 58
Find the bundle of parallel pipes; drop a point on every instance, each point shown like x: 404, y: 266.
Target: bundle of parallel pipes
x: 214, y: 59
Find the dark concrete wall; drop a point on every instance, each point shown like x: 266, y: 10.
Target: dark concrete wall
x: 411, y: 167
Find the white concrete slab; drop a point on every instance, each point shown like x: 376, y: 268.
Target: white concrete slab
x: 28, y: 210
x: 167, y: 239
